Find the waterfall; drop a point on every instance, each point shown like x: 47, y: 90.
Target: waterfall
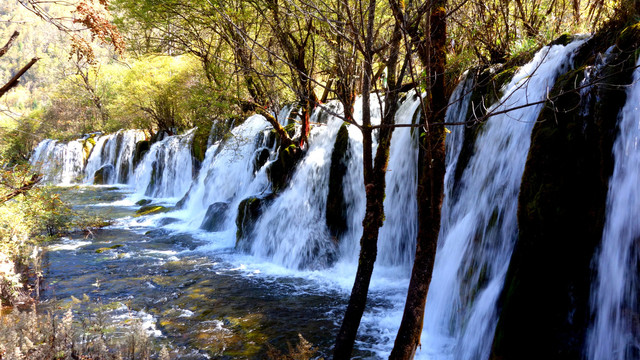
x: 397, y: 238
x: 292, y: 231
x: 60, y: 163
x: 166, y: 171
x: 614, y: 334
x: 481, y: 226
x: 227, y: 172
x: 114, y: 151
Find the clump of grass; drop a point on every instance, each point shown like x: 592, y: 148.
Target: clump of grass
x: 29, y: 335
x: 304, y: 350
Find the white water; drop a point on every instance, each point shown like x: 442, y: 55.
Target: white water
x: 166, y: 171
x: 60, y: 163
x: 397, y: 238
x: 481, y: 225
x: 614, y: 334
x: 226, y: 173
x: 115, y: 150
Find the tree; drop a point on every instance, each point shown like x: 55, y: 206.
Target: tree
x: 432, y: 52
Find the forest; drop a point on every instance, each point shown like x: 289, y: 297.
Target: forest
x: 305, y: 179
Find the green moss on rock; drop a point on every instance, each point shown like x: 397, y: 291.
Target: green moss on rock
x: 103, y: 249
x: 151, y: 209
x: 279, y: 172
x: 249, y: 210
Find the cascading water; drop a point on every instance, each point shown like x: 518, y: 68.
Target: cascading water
x: 60, y: 163
x: 166, y: 171
x: 227, y: 172
x: 481, y: 225
x: 292, y: 231
x: 114, y: 151
x: 614, y: 335
x: 398, y: 234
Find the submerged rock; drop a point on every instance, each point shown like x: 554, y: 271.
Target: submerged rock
x: 103, y: 249
x: 215, y: 217
x: 143, y: 202
x: 151, y: 209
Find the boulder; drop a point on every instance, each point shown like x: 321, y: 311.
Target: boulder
x: 215, y: 217
x: 102, y: 176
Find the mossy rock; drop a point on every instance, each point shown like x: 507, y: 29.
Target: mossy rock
x: 215, y: 217
x: 261, y: 157
x: 142, y: 147
x: 629, y: 38
x: 143, y: 202
x: 249, y: 210
x: 101, y: 177
x: 103, y: 249
x: 281, y: 170
x: 87, y: 146
x: 199, y: 145
x: 561, y: 214
x: 151, y: 209
x: 336, y: 212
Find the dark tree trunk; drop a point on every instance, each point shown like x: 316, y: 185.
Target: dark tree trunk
x: 375, y: 183
x: 430, y: 190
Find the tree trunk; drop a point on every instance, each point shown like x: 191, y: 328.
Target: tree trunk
x: 375, y: 184
x: 430, y: 190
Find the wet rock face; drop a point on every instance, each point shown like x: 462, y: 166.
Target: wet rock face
x: 336, y: 213
x: 544, y: 307
x: 142, y: 147
x: 249, y: 210
x: 103, y: 174
x: 281, y: 170
x: 215, y: 217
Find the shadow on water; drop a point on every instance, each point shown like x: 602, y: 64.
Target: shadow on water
x: 200, y: 303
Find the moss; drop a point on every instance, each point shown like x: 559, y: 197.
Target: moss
x: 143, y: 202
x: 280, y: 171
x: 249, y: 210
x: 151, y: 209
x: 199, y: 144
x: 103, y: 249
x: 487, y: 90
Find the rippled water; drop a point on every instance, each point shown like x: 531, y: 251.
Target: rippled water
x: 203, y: 302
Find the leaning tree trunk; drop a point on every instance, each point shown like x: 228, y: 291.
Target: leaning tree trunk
x: 430, y: 190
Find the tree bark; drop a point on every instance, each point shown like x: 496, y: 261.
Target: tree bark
x: 375, y: 184
x: 23, y: 189
x: 430, y: 190
x: 14, y: 80
x: 9, y: 43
